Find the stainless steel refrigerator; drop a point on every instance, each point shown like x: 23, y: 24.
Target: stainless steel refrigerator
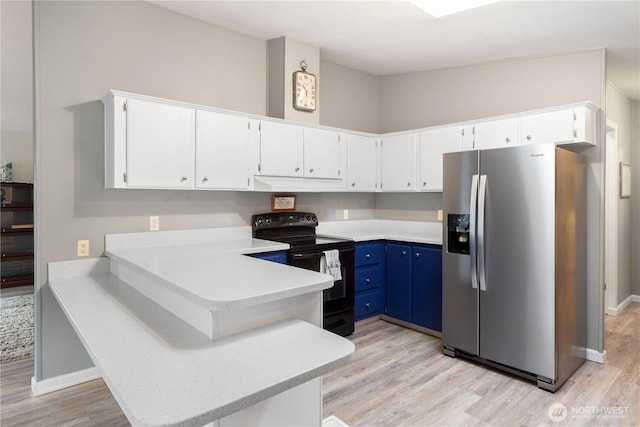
x: 514, y: 260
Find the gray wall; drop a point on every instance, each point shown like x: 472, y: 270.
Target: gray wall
x: 619, y: 110
x: 357, y: 112
x: 415, y: 100
x: 83, y: 50
x: 635, y: 198
x: 437, y: 97
x: 16, y: 80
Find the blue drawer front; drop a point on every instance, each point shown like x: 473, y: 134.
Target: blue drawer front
x: 368, y: 254
x: 368, y: 278
x: 367, y: 304
x: 279, y: 257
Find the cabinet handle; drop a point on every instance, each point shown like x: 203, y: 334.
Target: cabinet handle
x: 367, y: 256
x: 408, y: 184
x: 404, y: 253
x: 417, y: 254
x: 205, y: 179
x: 311, y: 170
x: 297, y: 169
x: 424, y: 183
x: 183, y: 179
x: 367, y: 280
x: 528, y: 137
x: 508, y: 139
x: 353, y: 184
x: 368, y: 305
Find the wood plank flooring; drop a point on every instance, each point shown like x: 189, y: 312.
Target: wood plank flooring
x: 399, y: 378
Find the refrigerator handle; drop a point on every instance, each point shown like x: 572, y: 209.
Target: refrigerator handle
x: 481, y: 216
x: 473, y: 203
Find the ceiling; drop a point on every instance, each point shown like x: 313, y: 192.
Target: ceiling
x: 395, y: 36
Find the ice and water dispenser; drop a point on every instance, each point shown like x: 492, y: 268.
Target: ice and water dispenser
x: 458, y: 233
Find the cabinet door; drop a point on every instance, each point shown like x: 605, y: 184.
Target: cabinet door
x: 399, y: 162
x: 281, y: 149
x: 433, y: 144
x: 279, y: 257
x: 222, y: 151
x: 362, y: 163
x: 496, y: 134
x: 554, y: 126
x: 399, y: 281
x: 322, y: 154
x: 160, y: 145
x: 426, y: 298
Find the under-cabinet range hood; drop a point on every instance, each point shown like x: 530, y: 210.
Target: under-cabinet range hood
x: 280, y: 183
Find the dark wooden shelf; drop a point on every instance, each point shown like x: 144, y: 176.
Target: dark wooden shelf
x: 17, y: 231
x: 17, y: 255
x: 17, y: 206
x: 12, y: 282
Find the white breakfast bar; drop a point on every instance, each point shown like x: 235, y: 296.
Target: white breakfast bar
x: 186, y: 331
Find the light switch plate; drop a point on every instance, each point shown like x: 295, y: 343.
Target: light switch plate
x: 440, y: 215
x: 345, y: 214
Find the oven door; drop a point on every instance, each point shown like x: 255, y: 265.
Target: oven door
x: 339, y: 299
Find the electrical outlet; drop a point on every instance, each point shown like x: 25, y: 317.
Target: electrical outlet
x: 83, y: 248
x: 440, y: 215
x: 154, y: 223
x: 345, y: 214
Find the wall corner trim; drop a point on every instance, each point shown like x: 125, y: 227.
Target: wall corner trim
x: 63, y: 381
x: 596, y: 356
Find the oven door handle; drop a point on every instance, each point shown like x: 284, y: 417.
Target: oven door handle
x: 317, y: 254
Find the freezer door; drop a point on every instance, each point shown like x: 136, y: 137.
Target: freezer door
x: 516, y: 259
x: 459, y: 290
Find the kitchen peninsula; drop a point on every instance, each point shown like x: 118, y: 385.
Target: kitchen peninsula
x: 185, y: 330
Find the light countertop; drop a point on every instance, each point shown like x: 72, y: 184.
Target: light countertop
x: 381, y: 229
x: 163, y: 372
x: 207, y: 269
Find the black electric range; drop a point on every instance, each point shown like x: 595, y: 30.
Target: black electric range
x: 298, y: 229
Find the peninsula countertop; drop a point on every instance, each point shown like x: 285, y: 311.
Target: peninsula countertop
x: 197, y: 265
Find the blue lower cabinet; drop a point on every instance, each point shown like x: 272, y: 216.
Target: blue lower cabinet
x: 279, y: 257
x: 414, y: 284
x: 398, y: 280
x: 369, y: 279
x: 367, y: 303
x: 426, y: 296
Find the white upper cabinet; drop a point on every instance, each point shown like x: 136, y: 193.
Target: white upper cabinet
x: 495, y: 134
x: 323, y: 154
x: 222, y: 151
x: 574, y: 125
x: 281, y: 149
x: 399, y: 162
x: 466, y: 133
x: 362, y: 163
x: 433, y: 144
x: 160, y: 145
x: 554, y: 126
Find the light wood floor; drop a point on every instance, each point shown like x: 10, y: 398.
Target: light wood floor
x: 399, y: 378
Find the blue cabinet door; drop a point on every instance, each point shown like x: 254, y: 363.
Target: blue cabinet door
x: 426, y: 301
x: 398, y: 303
x: 279, y: 257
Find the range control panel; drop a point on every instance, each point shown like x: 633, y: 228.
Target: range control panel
x: 284, y: 219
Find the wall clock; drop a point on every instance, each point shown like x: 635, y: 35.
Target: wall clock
x: 305, y: 89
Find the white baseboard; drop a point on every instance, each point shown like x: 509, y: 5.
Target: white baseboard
x: 614, y: 311
x: 596, y: 356
x: 63, y: 381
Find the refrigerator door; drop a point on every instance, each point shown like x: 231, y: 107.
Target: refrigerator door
x: 459, y: 290
x: 517, y: 273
